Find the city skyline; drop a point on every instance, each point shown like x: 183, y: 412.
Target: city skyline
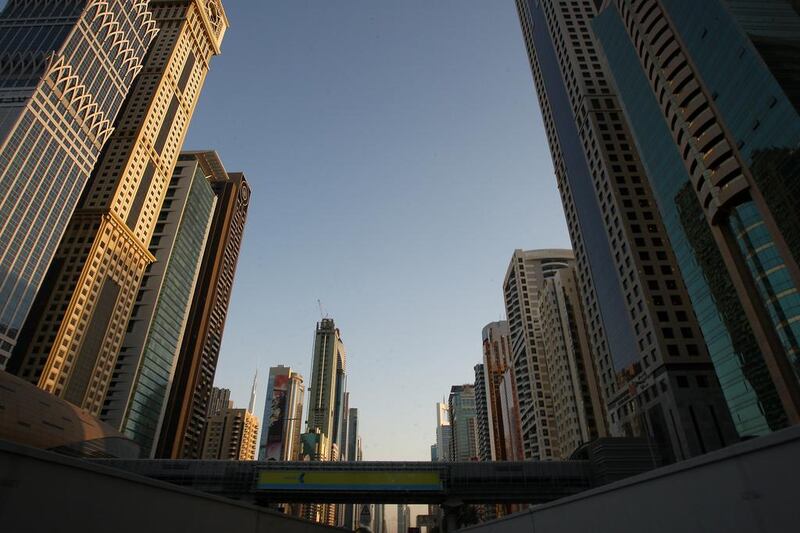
x: 467, y: 184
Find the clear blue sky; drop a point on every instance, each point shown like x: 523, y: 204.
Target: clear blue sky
x: 397, y: 158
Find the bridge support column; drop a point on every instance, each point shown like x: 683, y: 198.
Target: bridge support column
x: 451, y: 509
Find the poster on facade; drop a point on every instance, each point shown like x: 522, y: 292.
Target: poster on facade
x: 277, y: 418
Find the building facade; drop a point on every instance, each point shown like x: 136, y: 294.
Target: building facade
x: 283, y: 414
x: 219, y: 401
x: 497, y: 360
x: 327, y: 379
x: 231, y: 435
x: 643, y: 329
x: 463, y: 423
x: 482, y: 414
x: 70, y: 344
x: 65, y: 70
x: 579, y: 410
x: 444, y: 433
x: 184, y: 417
x: 139, y: 387
x: 712, y: 99
x: 525, y: 275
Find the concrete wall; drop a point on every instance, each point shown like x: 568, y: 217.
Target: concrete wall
x: 44, y: 492
x: 751, y: 487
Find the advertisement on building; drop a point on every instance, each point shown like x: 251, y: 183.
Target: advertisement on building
x: 277, y: 418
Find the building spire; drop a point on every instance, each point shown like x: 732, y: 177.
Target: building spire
x: 252, y: 405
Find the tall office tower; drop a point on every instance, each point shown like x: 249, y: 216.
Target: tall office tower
x: 184, y: 417
x: 711, y: 95
x: 70, y: 342
x: 353, y: 454
x: 65, y: 70
x: 352, y: 434
x: 340, y: 415
x: 463, y: 423
x: 482, y: 414
x: 578, y: 407
x: 326, y: 380
x: 403, y: 518
x: 525, y: 275
x: 643, y: 330
x: 283, y: 413
x: 444, y: 433
x: 509, y: 409
x: 496, y: 361
x: 434, y: 453
x: 231, y: 435
x: 378, y: 519
x: 219, y: 401
x: 139, y: 385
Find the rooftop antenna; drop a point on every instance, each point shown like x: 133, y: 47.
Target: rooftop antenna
x: 321, y: 314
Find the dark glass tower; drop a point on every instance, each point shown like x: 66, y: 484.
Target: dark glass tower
x: 656, y: 375
x: 184, y: 419
x: 710, y: 89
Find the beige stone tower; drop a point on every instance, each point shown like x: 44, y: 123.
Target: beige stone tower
x: 69, y: 345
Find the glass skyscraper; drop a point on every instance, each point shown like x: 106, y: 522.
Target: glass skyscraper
x: 65, y: 70
x: 712, y: 99
x: 137, y: 394
x: 656, y: 375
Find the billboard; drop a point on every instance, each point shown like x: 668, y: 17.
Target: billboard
x: 349, y: 480
x: 277, y: 418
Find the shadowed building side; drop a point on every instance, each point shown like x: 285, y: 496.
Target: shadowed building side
x: 184, y: 419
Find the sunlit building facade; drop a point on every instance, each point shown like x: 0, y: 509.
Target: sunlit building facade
x: 65, y: 71
x: 70, y: 344
x: 496, y: 338
x: 578, y: 407
x: 524, y: 278
x: 231, y: 435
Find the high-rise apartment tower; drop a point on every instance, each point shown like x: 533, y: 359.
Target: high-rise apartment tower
x: 65, y: 70
x: 70, y: 344
x: 524, y: 278
x: 139, y: 387
x: 643, y: 330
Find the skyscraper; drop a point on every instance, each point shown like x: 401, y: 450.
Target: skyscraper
x: 710, y: 91
x: 482, y: 414
x: 403, y: 518
x: 138, y: 390
x: 283, y: 413
x: 219, y: 401
x: 509, y: 409
x: 525, y: 276
x: 327, y: 379
x: 578, y: 407
x: 67, y: 69
x: 444, y: 433
x: 231, y: 435
x: 70, y: 343
x: 184, y: 418
x: 496, y: 361
x: 643, y: 329
x: 463, y: 423
x: 352, y: 434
